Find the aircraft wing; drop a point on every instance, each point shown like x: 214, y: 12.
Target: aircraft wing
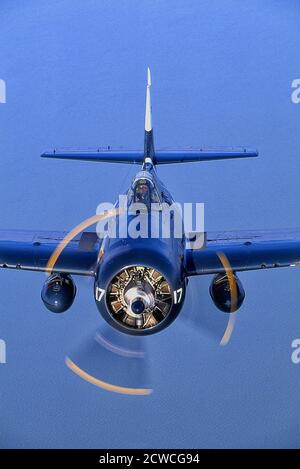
x: 31, y: 250
x: 245, y: 250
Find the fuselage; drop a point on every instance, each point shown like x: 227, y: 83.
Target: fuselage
x: 140, y: 282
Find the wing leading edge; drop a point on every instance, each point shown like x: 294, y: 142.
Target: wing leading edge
x: 244, y: 250
x: 31, y: 250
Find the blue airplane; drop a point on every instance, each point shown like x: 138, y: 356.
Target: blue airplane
x: 140, y: 283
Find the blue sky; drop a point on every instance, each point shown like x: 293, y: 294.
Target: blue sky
x: 75, y: 73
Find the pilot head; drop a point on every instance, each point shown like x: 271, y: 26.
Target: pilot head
x: 142, y: 192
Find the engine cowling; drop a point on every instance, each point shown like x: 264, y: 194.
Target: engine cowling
x: 227, y: 296
x: 58, y: 292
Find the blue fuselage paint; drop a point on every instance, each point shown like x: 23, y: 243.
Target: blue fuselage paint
x: 164, y: 254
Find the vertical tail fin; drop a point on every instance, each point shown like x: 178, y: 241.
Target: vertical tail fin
x: 148, y: 140
x: 148, y: 116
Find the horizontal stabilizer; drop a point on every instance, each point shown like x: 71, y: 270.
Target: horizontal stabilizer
x: 202, y: 154
x: 106, y: 155
x: 168, y: 156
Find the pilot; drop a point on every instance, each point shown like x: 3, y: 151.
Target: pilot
x: 142, y: 193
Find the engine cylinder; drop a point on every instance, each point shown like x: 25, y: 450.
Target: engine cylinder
x: 227, y: 292
x: 58, y: 292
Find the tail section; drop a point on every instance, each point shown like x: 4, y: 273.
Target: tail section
x: 148, y: 140
x: 167, y: 156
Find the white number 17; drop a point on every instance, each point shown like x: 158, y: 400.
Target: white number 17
x: 177, y: 296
